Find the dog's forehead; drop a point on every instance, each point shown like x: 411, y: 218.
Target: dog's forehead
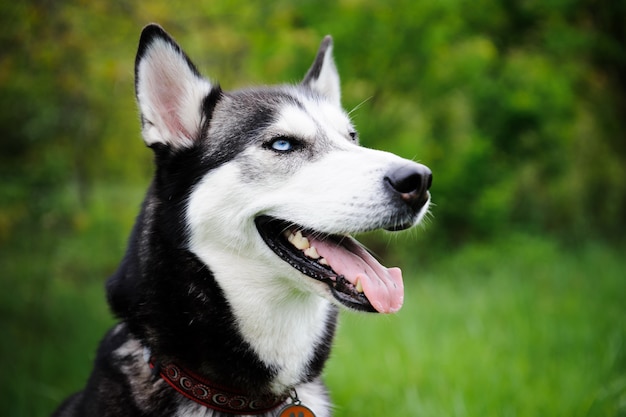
x: 291, y: 119
x: 290, y: 110
x: 311, y: 119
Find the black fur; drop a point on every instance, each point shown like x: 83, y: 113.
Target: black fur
x: 167, y: 299
x: 171, y: 302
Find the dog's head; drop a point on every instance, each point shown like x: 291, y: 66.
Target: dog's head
x: 267, y: 184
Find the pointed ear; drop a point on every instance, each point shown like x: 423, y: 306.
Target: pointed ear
x: 170, y: 91
x: 323, y: 77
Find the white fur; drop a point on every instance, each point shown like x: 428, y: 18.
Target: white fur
x: 333, y: 119
x: 280, y: 318
x: 280, y: 312
x: 294, y: 119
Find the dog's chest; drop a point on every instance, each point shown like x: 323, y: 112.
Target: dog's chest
x: 131, y: 361
x: 289, y: 337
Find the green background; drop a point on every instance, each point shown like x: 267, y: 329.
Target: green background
x: 516, y: 284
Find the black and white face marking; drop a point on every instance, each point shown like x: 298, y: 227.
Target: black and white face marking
x: 277, y: 186
x: 304, y: 172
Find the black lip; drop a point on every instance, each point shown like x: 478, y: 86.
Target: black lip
x: 397, y: 228
x: 271, y: 231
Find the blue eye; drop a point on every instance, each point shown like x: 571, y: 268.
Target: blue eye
x: 282, y: 145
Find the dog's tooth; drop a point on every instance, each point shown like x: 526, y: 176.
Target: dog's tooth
x: 311, y: 252
x: 323, y: 261
x: 300, y: 241
x: 359, y: 286
x: 287, y: 233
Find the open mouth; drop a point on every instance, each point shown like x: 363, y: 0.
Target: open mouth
x: 354, y: 277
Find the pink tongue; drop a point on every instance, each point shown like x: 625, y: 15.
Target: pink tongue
x: 382, y: 286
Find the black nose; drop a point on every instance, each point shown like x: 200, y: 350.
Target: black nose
x: 411, y: 182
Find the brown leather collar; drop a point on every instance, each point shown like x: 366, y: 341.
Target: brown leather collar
x: 213, y: 396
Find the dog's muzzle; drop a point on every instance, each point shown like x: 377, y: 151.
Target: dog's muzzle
x: 355, y: 278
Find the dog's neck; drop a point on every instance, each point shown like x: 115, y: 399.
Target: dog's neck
x: 288, y: 330
x: 232, y: 335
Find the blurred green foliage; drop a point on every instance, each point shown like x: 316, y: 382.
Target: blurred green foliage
x: 518, y: 107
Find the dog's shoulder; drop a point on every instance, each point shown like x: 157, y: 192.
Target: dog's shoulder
x: 121, y: 382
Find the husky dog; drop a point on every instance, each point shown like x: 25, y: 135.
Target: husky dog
x: 229, y: 291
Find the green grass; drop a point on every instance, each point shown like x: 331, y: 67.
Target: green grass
x: 518, y: 328
x: 521, y: 327
x: 52, y: 307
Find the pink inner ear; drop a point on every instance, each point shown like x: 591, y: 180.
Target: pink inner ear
x: 172, y: 120
x: 169, y: 95
x: 180, y: 128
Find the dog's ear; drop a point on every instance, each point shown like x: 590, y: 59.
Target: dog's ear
x: 323, y: 77
x: 170, y: 91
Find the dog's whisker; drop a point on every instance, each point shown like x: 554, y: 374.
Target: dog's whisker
x: 358, y: 106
